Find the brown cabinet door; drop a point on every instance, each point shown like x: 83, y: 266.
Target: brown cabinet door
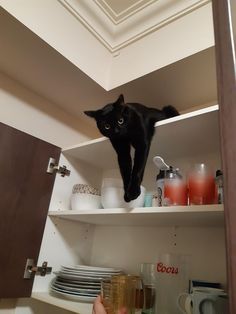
x: 25, y: 192
x: 224, y: 13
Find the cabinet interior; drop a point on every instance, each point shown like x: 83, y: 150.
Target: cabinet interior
x: 126, y: 246
x: 181, y: 141
x: 122, y: 240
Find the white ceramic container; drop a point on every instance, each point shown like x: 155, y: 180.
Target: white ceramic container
x: 85, y: 201
x: 85, y: 197
x: 112, y: 195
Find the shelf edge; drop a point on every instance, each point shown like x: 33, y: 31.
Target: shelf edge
x: 75, y: 307
x: 142, y: 210
x: 181, y: 117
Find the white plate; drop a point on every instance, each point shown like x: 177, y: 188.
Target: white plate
x: 76, y: 289
x: 94, y: 268
x: 85, y: 274
x: 73, y: 293
x: 95, y: 285
x: 74, y: 297
x: 78, y: 278
x: 79, y: 286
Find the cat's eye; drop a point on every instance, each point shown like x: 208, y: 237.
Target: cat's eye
x: 121, y: 121
x: 107, y: 126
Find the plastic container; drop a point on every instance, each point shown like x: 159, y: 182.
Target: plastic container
x: 175, y: 188
x: 163, y: 169
x: 160, y: 187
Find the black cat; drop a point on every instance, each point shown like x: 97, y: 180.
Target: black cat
x: 127, y: 124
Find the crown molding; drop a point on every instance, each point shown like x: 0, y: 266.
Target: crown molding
x: 118, y: 18
x: 121, y: 31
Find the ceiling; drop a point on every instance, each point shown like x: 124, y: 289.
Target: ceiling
x: 118, y: 23
x: 117, y: 11
x: 42, y: 69
x: 118, y: 7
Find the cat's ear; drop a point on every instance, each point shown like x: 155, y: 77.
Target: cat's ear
x: 120, y: 100
x: 92, y: 113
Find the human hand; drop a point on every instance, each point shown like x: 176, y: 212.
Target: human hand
x: 98, y: 307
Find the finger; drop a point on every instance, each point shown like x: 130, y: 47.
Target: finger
x: 98, y: 299
x: 123, y: 310
x: 93, y: 312
x: 98, y: 306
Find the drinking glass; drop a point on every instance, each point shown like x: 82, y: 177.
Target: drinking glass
x: 172, y: 279
x: 201, y: 184
x: 121, y: 292
x: 148, y: 275
x: 175, y: 192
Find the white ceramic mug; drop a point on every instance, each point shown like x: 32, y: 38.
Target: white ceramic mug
x: 203, y: 300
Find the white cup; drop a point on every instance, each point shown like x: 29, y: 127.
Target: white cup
x: 203, y: 300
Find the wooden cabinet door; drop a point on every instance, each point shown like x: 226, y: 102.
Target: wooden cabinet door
x: 25, y: 192
x: 224, y: 13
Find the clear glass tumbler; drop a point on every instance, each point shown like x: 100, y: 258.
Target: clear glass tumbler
x: 122, y: 293
x: 201, y: 184
x: 148, y: 275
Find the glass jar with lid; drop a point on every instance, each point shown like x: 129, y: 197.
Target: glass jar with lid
x: 175, y: 188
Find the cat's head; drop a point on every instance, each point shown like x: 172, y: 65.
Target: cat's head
x: 112, y: 120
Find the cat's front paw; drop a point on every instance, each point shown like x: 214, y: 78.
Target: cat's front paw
x: 132, y: 193
x: 127, y: 198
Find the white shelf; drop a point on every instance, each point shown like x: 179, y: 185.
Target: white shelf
x: 198, y: 215
x: 184, y: 135
x: 73, y: 306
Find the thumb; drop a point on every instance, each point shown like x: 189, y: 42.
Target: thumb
x: 123, y: 310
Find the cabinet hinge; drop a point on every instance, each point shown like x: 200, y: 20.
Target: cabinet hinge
x: 52, y: 167
x: 31, y: 268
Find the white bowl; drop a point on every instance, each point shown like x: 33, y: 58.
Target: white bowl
x: 113, y: 197
x: 83, y: 201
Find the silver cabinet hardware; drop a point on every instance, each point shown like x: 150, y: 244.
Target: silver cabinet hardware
x: 52, y: 167
x: 31, y: 268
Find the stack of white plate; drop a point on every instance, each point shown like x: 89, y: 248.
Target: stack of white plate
x: 80, y: 282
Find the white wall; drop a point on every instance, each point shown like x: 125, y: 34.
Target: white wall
x: 179, y: 39
x: 131, y: 246
x: 58, y: 27
x: 185, y: 34
x: 29, y: 112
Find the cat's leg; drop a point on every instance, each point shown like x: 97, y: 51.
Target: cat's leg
x: 122, y: 149
x: 140, y: 159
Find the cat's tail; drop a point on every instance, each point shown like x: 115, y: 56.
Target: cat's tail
x: 165, y: 113
x: 169, y: 111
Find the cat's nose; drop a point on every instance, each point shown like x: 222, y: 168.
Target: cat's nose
x: 116, y: 130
